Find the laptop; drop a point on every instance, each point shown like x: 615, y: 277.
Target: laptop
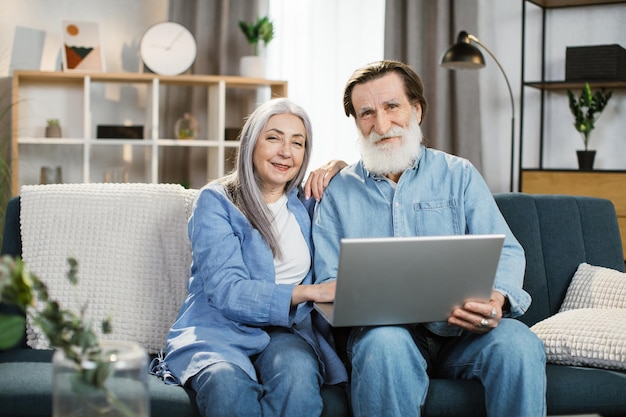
x: 400, y: 280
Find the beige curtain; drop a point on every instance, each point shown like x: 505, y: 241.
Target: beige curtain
x: 417, y: 32
x: 215, y: 25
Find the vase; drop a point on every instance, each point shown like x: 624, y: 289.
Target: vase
x: 50, y: 175
x: 585, y: 160
x: 123, y: 392
x: 53, y: 131
x: 252, y: 66
x: 186, y: 127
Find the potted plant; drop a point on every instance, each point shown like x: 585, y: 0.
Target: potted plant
x: 586, y: 110
x: 86, y: 378
x: 255, y: 32
x: 53, y: 128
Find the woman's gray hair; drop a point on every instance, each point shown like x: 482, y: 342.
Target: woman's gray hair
x: 244, y: 185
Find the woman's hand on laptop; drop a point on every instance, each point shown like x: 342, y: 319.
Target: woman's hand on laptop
x: 319, y: 293
x: 479, y: 317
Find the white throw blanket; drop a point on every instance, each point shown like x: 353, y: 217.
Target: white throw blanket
x: 131, y: 244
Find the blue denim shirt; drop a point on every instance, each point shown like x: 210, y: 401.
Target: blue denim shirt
x: 233, y: 295
x: 440, y: 194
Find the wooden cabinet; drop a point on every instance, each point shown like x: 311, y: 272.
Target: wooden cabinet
x: 82, y: 101
x: 605, y: 184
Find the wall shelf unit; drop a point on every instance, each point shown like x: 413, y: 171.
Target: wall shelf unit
x: 85, y: 100
x: 544, y: 85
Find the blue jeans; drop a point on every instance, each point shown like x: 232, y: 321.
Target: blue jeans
x: 391, y: 367
x: 289, y: 382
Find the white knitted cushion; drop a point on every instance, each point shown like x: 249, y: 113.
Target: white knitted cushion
x: 590, y: 327
x: 585, y: 337
x: 130, y: 241
x: 595, y: 287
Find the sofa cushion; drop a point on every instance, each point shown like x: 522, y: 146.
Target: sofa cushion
x: 26, y: 390
x: 589, y: 329
x: 575, y: 390
x: 585, y: 337
x: 595, y: 287
x: 130, y: 241
x: 558, y: 233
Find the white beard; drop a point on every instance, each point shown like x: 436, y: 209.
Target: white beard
x: 391, y: 158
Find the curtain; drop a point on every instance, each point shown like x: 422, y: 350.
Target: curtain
x: 220, y: 45
x: 418, y: 32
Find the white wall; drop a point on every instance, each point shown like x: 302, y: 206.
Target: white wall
x: 121, y: 24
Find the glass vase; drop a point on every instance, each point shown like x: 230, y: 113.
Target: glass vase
x: 121, y: 390
x: 186, y: 127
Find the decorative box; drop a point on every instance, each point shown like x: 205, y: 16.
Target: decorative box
x: 595, y: 63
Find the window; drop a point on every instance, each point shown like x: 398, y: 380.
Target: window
x: 317, y: 46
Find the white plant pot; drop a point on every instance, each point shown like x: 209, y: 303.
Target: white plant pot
x: 252, y: 66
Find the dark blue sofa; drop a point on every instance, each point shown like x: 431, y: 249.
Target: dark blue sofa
x: 557, y: 232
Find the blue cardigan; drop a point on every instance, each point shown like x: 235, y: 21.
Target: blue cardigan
x: 233, y: 295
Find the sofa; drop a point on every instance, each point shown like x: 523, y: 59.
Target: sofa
x: 123, y: 233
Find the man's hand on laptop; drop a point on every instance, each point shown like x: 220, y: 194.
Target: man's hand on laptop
x: 319, y: 293
x: 479, y: 317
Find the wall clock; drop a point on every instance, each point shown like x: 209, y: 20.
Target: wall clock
x: 168, y: 48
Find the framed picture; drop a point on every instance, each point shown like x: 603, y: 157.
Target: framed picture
x: 82, y: 50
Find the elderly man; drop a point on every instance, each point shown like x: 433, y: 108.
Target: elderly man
x: 401, y: 188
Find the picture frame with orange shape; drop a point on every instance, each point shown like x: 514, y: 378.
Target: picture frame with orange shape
x: 82, y: 49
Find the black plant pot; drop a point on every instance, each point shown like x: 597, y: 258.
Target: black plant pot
x: 585, y: 160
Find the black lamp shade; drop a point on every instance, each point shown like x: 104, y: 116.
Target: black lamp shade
x: 463, y: 55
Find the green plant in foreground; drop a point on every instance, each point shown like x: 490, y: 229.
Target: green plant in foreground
x: 66, y: 329
x: 585, y: 108
x: 261, y: 30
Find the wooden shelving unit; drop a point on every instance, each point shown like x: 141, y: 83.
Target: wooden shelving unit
x: 545, y: 85
x: 74, y: 92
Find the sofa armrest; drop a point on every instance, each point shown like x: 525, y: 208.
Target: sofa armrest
x: 12, y: 238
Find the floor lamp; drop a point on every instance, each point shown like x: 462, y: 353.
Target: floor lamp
x: 464, y: 55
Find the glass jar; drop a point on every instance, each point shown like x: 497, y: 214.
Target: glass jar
x: 123, y: 371
x: 186, y: 127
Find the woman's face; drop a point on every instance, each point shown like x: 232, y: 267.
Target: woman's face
x: 278, y: 153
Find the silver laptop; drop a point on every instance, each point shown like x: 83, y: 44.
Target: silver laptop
x: 403, y: 280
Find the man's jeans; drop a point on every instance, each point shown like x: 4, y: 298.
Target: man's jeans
x: 289, y: 382
x: 391, y: 367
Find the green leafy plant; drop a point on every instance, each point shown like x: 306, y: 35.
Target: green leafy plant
x: 53, y: 122
x: 261, y: 30
x: 66, y: 329
x: 586, y: 109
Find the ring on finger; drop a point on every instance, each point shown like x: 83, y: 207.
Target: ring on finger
x: 494, y: 313
x: 483, y: 323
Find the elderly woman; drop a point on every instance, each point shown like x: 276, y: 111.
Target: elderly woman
x: 245, y: 340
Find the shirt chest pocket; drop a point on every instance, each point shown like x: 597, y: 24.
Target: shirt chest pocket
x: 434, y: 218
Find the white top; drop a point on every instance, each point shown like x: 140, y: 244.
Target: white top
x: 296, y: 261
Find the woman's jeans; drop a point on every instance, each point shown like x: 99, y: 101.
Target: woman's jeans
x: 289, y: 382
x: 391, y: 367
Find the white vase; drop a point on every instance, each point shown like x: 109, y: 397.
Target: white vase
x: 252, y: 66
x: 124, y: 392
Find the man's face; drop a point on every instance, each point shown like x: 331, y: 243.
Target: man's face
x: 388, y: 126
x: 381, y: 104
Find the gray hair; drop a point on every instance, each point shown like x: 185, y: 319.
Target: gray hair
x: 243, y: 185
